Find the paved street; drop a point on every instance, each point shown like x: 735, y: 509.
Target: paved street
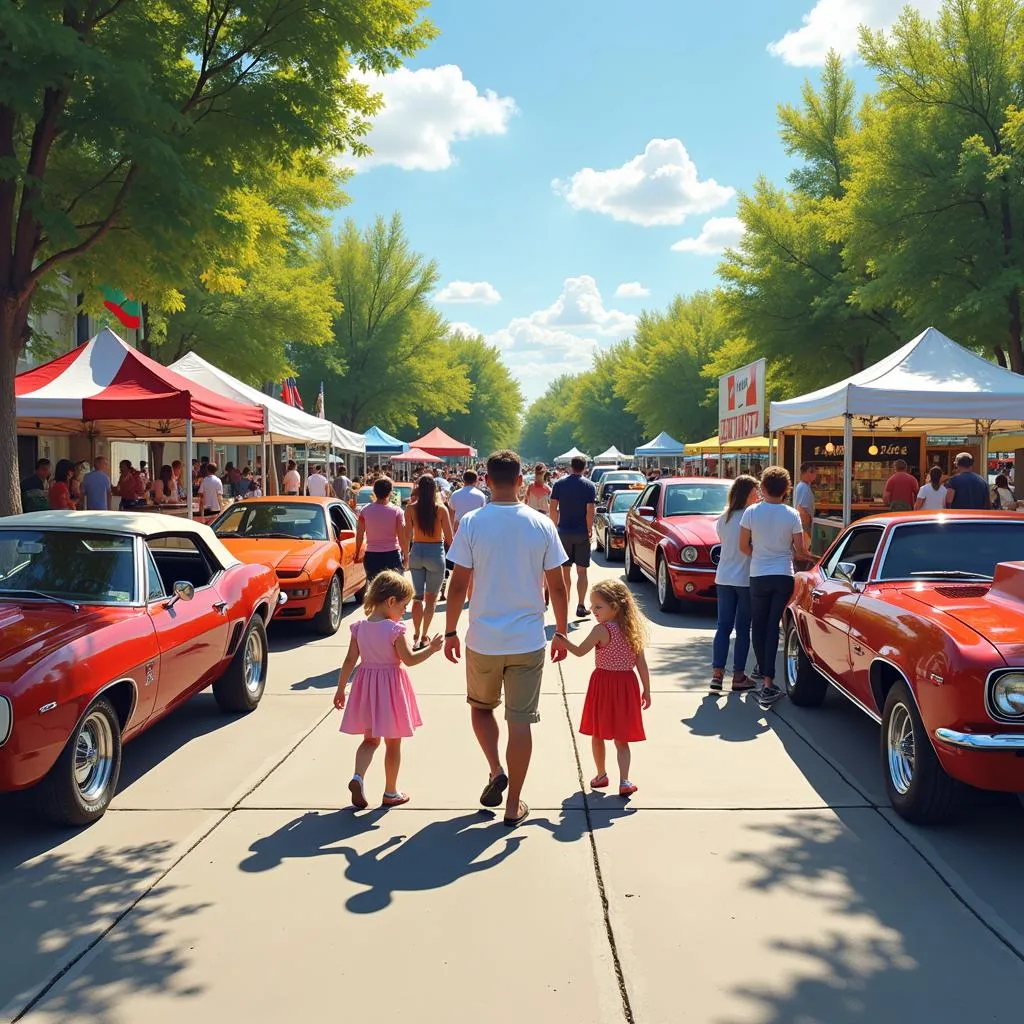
x: 757, y: 876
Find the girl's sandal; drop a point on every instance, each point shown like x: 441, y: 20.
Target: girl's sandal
x: 599, y: 781
x: 716, y: 682
x: 626, y: 788
x: 355, y: 787
x: 394, y: 799
x: 743, y: 684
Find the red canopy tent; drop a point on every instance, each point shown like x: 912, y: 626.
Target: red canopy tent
x: 415, y: 455
x: 126, y: 394
x: 437, y: 442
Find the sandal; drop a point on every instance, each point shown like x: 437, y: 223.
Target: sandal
x: 716, y: 681
x: 599, y: 781
x: 355, y: 787
x: 743, y: 684
x: 626, y: 788
x: 524, y: 813
x: 491, y: 796
x: 394, y: 799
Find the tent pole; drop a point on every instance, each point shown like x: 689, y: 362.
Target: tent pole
x: 263, y: 467
x: 187, y: 468
x: 847, y: 469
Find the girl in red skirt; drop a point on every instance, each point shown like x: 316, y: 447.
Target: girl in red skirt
x: 614, y: 700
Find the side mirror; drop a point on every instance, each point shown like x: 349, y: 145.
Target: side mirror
x: 645, y: 512
x: 844, y: 572
x: 602, y: 508
x: 183, y: 591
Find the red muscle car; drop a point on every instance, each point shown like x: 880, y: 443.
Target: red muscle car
x: 918, y: 619
x: 671, y: 538
x: 108, y: 621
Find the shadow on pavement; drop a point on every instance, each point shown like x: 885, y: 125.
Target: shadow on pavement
x: 324, y: 681
x: 439, y: 854
x: 726, y: 716
x: 572, y: 825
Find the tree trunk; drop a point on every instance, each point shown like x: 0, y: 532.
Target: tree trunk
x: 1000, y: 354
x: 1015, y: 352
x: 13, y: 331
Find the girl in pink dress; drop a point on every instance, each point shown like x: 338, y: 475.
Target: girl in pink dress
x: 615, y: 698
x: 381, y: 704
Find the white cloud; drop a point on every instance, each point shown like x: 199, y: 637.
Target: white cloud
x: 580, y: 306
x: 468, y: 291
x: 461, y: 327
x: 834, y: 24
x: 717, y: 234
x: 425, y: 112
x: 660, y: 186
x: 632, y: 290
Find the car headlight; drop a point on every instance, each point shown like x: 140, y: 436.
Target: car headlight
x: 689, y: 554
x: 1008, y: 694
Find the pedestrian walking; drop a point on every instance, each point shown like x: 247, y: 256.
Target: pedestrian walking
x: 770, y: 531
x: 932, y: 497
x: 428, y: 528
x: 732, y: 584
x: 341, y: 483
x: 615, y: 699
x: 467, y: 498
x: 508, y: 549
x: 381, y: 704
x: 966, y: 489
x: 60, y: 488
x: 538, y: 494
x: 211, y: 491
x: 383, y: 527
x: 901, y: 489
x: 572, y: 503
x: 1002, y: 497
x: 317, y: 484
x: 292, y: 482
x: 96, y: 488
x: 804, y: 501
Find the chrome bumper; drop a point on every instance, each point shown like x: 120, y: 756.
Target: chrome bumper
x: 981, y: 740
x: 694, y: 570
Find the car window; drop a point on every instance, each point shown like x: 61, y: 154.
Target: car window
x: 301, y: 520
x: 342, y: 518
x: 696, y: 499
x: 622, y: 501
x: 154, y: 584
x: 951, y: 548
x: 365, y: 496
x: 859, y: 547
x: 87, y: 568
x: 180, y: 557
x: 649, y: 498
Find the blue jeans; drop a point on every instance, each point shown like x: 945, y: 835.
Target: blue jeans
x: 733, y: 609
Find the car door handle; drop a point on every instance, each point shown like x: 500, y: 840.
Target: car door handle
x: 221, y: 606
x: 857, y: 649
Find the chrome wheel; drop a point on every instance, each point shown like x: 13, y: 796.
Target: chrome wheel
x: 662, y: 581
x: 94, y: 756
x: 334, y: 602
x: 900, y: 748
x: 252, y: 662
x: 792, y: 658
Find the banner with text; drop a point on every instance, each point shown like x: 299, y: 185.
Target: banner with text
x: 741, y: 403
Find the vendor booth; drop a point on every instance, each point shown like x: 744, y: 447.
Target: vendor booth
x: 437, y: 442
x: 664, y: 446
x: 566, y: 457
x: 744, y: 456
x: 918, y: 404
x: 610, y: 457
x: 380, y: 442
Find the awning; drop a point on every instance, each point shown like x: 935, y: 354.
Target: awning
x: 663, y: 444
x: 611, y: 455
x: 711, y: 446
x: 380, y: 442
x: 415, y: 455
x: 572, y: 453
x: 437, y: 442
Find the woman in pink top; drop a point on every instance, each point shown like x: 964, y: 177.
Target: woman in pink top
x: 383, y: 526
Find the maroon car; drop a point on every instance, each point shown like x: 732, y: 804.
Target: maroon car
x: 671, y: 538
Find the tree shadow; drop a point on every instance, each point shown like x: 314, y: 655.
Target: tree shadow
x: 438, y: 855
x: 727, y: 716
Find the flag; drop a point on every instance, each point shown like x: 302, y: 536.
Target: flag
x: 290, y: 393
x: 126, y: 308
x: 320, y: 402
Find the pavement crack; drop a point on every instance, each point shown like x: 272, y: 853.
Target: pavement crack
x: 620, y: 978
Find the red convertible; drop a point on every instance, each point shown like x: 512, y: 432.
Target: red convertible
x: 108, y: 621
x: 671, y: 538
x: 918, y: 619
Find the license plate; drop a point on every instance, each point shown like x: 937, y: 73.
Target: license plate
x: 617, y: 542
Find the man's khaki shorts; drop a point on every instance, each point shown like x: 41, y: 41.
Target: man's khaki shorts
x: 519, y: 674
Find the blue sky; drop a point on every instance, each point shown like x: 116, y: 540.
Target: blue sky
x: 522, y: 150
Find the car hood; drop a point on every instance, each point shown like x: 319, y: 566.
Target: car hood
x: 31, y: 631
x: 697, y: 530
x: 277, y: 553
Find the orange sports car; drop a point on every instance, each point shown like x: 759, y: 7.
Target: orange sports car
x: 309, y: 542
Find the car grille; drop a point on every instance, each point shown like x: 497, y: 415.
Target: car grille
x: 288, y: 574
x: 716, y: 554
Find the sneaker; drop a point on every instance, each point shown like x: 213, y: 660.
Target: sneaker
x: 581, y: 611
x: 757, y: 675
x: 768, y: 696
x: 715, y: 684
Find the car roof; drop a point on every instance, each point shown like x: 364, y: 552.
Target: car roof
x: 290, y: 499
x: 692, y: 480
x: 925, y: 516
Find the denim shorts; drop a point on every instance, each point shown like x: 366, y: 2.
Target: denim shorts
x: 426, y: 565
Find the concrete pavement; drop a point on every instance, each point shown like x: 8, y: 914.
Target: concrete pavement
x: 758, y: 875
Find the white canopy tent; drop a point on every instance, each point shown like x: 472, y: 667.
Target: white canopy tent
x: 611, y: 455
x: 931, y: 385
x: 572, y: 453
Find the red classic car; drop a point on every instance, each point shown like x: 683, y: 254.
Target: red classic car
x: 108, y: 621
x: 671, y: 538
x: 309, y: 542
x: 918, y: 619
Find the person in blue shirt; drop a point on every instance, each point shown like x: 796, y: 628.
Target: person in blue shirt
x: 572, y: 503
x: 966, y: 489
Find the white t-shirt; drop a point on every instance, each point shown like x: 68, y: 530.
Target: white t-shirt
x: 772, y: 529
x: 734, y: 566
x: 508, y: 547
x: 934, y: 500
x: 210, y: 489
x: 442, y: 485
x: 316, y: 485
x: 291, y: 482
x: 464, y: 500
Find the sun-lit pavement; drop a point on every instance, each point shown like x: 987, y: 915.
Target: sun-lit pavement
x: 757, y: 876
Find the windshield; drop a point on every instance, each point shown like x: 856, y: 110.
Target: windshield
x: 696, y: 499
x: 87, y: 568
x: 946, y: 548
x: 623, y: 501
x: 404, y: 491
x: 272, y: 519
x: 619, y: 478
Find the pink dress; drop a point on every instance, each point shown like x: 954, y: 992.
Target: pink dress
x: 381, y: 700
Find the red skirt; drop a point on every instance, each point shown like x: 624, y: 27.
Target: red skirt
x: 612, y: 709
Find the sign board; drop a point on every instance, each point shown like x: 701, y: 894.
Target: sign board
x: 741, y: 403
x: 814, y: 448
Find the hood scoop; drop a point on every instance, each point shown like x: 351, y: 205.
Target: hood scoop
x: 963, y: 591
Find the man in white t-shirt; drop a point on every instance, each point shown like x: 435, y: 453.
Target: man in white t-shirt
x: 442, y: 482
x: 292, y: 482
x: 317, y: 483
x: 467, y: 498
x: 509, y: 551
x: 211, y: 491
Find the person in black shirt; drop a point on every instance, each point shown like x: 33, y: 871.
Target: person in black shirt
x: 966, y: 489
x: 33, y: 488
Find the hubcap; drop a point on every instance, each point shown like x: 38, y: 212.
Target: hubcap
x: 792, y: 658
x: 94, y: 756
x: 900, y: 747
x: 628, y: 560
x: 335, y: 602
x: 253, y: 665
x: 662, y: 582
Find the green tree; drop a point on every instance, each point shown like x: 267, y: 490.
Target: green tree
x: 597, y: 409
x: 389, y: 361
x: 124, y: 125
x: 935, y: 205
x: 492, y: 416
x: 547, y: 431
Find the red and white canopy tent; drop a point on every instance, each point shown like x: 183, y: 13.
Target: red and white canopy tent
x: 437, y: 442
x: 415, y: 455
x: 108, y: 387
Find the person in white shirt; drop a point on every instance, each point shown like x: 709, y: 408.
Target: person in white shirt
x: 508, y: 550
x: 317, y: 484
x: 932, y: 496
x: 292, y: 482
x: 770, y: 531
x: 467, y: 497
x: 442, y: 482
x: 732, y: 583
x: 211, y: 491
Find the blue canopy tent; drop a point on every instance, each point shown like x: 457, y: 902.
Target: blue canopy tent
x: 380, y: 442
x: 662, y: 447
